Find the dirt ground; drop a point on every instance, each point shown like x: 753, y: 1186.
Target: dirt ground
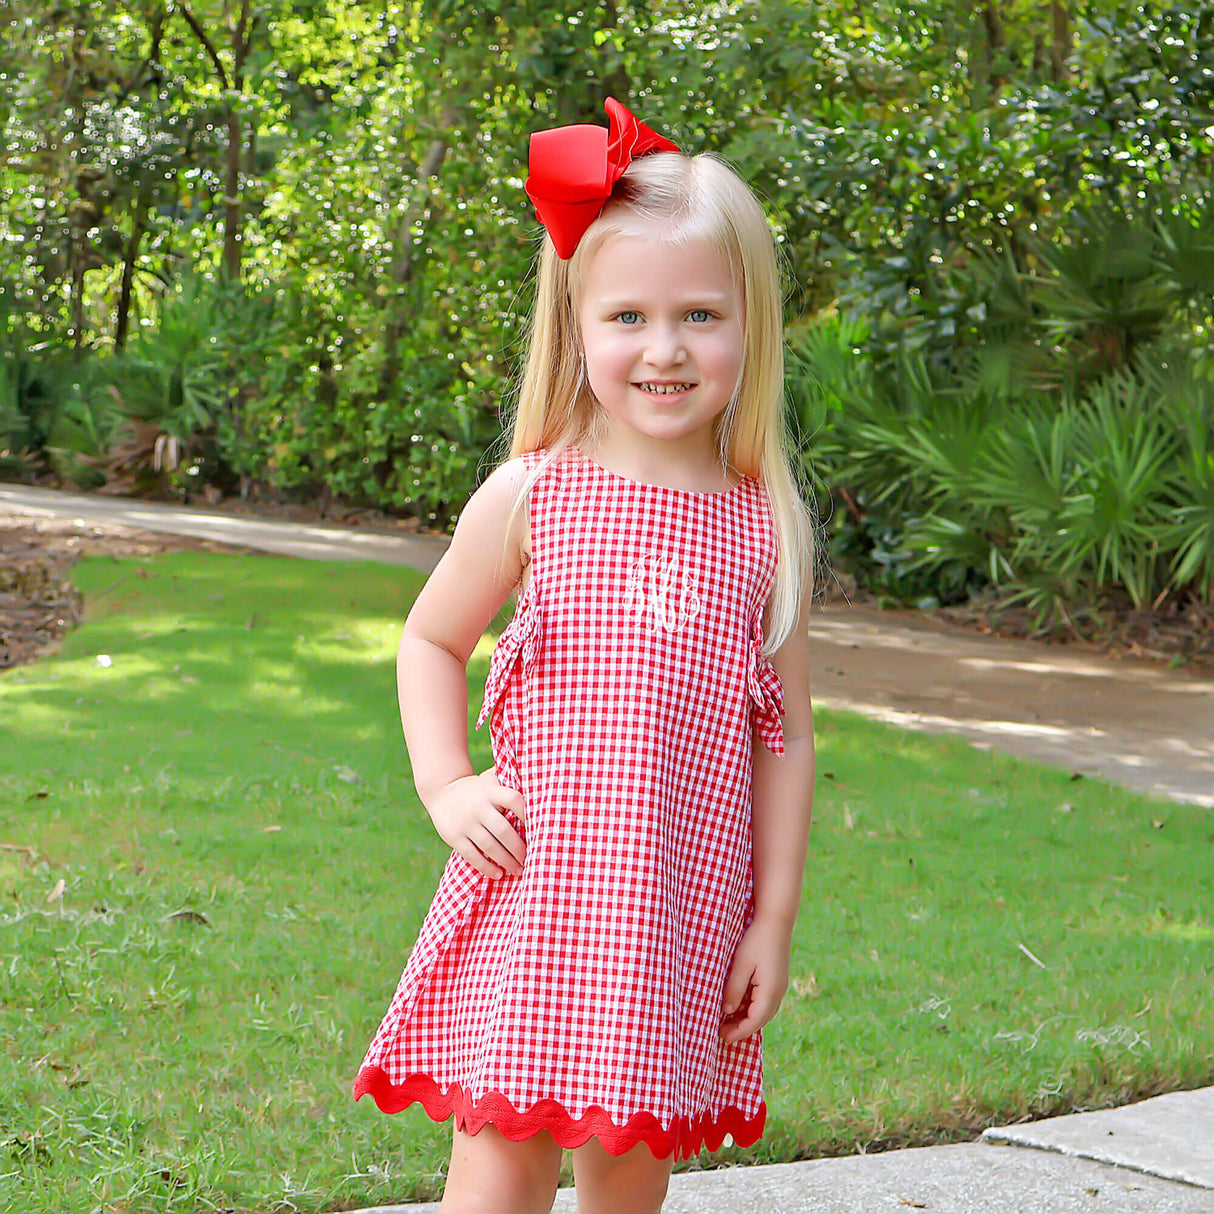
x: 38, y: 603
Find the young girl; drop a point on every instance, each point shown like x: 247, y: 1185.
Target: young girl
x: 613, y: 927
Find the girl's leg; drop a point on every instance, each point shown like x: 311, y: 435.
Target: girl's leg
x: 608, y: 1184
x: 490, y: 1174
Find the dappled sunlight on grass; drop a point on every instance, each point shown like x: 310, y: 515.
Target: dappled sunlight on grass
x: 484, y: 647
x: 313, y: 649
x: 1191, y: 931
x: 244, y: 866
x: 376, y: 640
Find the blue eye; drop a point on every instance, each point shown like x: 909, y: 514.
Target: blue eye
x: 629, y: 318
x: 700, y: 315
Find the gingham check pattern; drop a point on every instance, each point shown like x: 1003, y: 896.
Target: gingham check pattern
x: 584, y: 996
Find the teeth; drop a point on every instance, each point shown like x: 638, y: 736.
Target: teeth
x: 665, y: 389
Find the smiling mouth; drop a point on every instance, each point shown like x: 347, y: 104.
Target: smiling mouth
x: 664, y: 389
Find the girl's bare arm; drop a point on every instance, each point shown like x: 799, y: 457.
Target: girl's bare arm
x: 466, y: 590
x: 782, y: 807
x: 784, y: 787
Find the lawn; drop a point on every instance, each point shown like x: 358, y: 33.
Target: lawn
x: 212, y: 865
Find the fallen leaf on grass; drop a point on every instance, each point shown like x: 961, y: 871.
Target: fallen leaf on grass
x: 28, y: 1147
x: 187, y: 916
x: 830, y: 775
x: 271, y: 830
x: 57, y: 892
x: 23, y: 848
x: 77, y: 1078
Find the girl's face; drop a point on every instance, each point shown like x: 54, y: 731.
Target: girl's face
x: 662, y: 330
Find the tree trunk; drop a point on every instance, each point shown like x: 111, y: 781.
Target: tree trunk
x: 243, y: 34
x: 617, y: 83
x: 1060, y: 43
x: 995, y: 41
x: 402, y: 257
x: 232, y: 207
x: 130, y: 254
x: 77, y: 223
x: 77, y: 296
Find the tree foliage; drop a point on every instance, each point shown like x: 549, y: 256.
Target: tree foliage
x: 281, y: 246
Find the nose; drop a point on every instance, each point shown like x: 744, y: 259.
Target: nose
x: 665, y: 346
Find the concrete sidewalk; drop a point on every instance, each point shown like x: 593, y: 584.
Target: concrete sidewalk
x: 307, y: 540
x: 1156, y: 1157
x: 1129, y: 720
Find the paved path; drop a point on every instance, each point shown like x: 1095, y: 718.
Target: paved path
x: 287, y: 539
x: 1130, y: 721
x: 1156, y: 1157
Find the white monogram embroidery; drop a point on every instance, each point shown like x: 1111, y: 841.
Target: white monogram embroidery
x: 662, y: 593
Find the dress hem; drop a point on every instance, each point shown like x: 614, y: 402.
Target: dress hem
x: 683, y: 1138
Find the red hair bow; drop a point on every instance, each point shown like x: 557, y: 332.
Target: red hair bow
x: 575, y: 168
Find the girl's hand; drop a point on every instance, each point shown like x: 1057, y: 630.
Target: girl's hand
x: 757, y: 981
x: 467, y: 815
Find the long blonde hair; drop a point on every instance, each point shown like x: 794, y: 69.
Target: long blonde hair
x: 696, y: 196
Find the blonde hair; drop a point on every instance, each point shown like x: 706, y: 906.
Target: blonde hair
x: 696, y: 196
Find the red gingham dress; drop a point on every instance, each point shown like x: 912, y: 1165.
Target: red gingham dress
x: 584, y: 997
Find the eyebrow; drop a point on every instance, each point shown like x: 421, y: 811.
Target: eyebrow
x: 712, y: 297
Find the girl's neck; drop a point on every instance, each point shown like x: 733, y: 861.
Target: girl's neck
x: 693, y: 472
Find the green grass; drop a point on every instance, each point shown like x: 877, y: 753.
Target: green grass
x: 244, y: 866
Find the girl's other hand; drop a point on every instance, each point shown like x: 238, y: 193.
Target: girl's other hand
x: 467, y: 813
x: 757, y: 981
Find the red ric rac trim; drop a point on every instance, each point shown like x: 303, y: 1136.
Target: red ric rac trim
x: 684, y: 1138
